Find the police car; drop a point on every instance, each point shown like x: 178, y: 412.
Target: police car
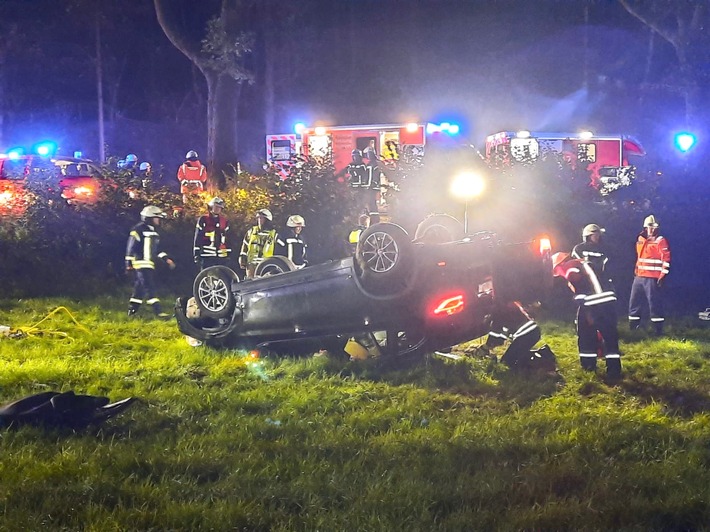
x: 410, y: 295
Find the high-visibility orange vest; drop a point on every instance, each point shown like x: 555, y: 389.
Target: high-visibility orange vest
x: 654, y: 256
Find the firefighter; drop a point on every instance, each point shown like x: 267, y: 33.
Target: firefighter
x: 357, y: 170
x: 653, y: 262
x: 596, y: 313
x: 130, y: 162
x: 145, y: 171
x: 363, y: 222
x: 141, y: 251
x: 259, y: 242
x: 210, y: 246
x: 391, y: 151
x: 192, y: 175
x: 513, y: 323
x: 291, y: 243
x: 590, y: 249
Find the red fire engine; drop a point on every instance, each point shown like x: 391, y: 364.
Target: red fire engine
x: 338, y: 143
x: 605, y: 157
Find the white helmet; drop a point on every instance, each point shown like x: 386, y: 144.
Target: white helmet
x: 144, y: 166
x: 216, y: 201
x: 296, y: 220
x: 591, y: 229
x: 192, y: 154
x: 151, y: 211
x: 650, y: 221
x: 266, y: 213
x: 131, y: 158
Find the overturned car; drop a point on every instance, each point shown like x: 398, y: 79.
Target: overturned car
x: 410, y: 296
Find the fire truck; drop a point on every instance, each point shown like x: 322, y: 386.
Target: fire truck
x: 338, y: 143
x: 606, y: 158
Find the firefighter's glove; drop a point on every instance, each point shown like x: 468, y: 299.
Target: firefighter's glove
x: 171, y: 264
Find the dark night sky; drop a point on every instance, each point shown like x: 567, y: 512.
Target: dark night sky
x: 490, y: 65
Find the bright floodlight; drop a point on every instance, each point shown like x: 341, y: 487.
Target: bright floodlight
x: 467, y: 185
x: 320, y: 130
x: 412, y: 127
x: 523, y: 134
x: 299, y: 127
x: 585, y: 135
x: 684, y: 141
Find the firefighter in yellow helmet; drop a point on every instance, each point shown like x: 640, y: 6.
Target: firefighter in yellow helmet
x: 653, y: 262
x: 596, y: 313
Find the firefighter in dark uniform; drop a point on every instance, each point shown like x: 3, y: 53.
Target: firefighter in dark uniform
x: 513, y: 323
x: 210, y: 246
x: 596, y: 313
x: 291, y: 243
x: 590, y: 249
x: 259, y: 242
x: 653, y: 262
x: 357, y: 170
x: 374, y: 175
x: 141, y: 252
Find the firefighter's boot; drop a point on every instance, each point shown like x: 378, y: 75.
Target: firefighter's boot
x: 589, y: 363
x: 133, y: 310
x: 613, y: 369
x: 634, y: 323
x: 658, y: 328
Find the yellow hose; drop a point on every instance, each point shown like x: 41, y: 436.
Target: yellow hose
x: 34, y: 330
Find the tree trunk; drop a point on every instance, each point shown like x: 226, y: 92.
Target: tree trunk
x: 100, y: 91
x: 223, y: 95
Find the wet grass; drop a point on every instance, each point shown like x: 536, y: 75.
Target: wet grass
x: 221, y: 441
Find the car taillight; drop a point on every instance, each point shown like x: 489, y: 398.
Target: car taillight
x: 449, y: 305
x: 84, y: 191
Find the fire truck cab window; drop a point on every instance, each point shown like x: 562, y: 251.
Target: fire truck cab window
x: 281, y: 150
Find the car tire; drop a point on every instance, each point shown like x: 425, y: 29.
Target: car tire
x: 273, y: 266
x: 384, y: 257
x: 213, y: 291
x: 438, y: 229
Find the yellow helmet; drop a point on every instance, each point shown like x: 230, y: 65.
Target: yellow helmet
x: 650, y: 221
x: 591, y: 229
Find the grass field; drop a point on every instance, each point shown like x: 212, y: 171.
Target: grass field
x: 221, y: 441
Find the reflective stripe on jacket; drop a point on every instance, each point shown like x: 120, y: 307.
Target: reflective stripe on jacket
x: 211, y: 237
x: 142, y: 247
x: 589, y: 289
x: 653, y: 256
x: 258, y: 244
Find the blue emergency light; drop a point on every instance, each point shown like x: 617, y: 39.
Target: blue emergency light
x: 684, y: 141
x: 444, y: 127
x: 45, y: 149
x: 15, y: 153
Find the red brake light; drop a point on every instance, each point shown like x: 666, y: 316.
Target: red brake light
x: 449, y: 306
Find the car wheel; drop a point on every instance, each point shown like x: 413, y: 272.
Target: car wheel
x: 384, y: 256
x: 213, y: 291
x: 273, y: 266
x: 438, y: 229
